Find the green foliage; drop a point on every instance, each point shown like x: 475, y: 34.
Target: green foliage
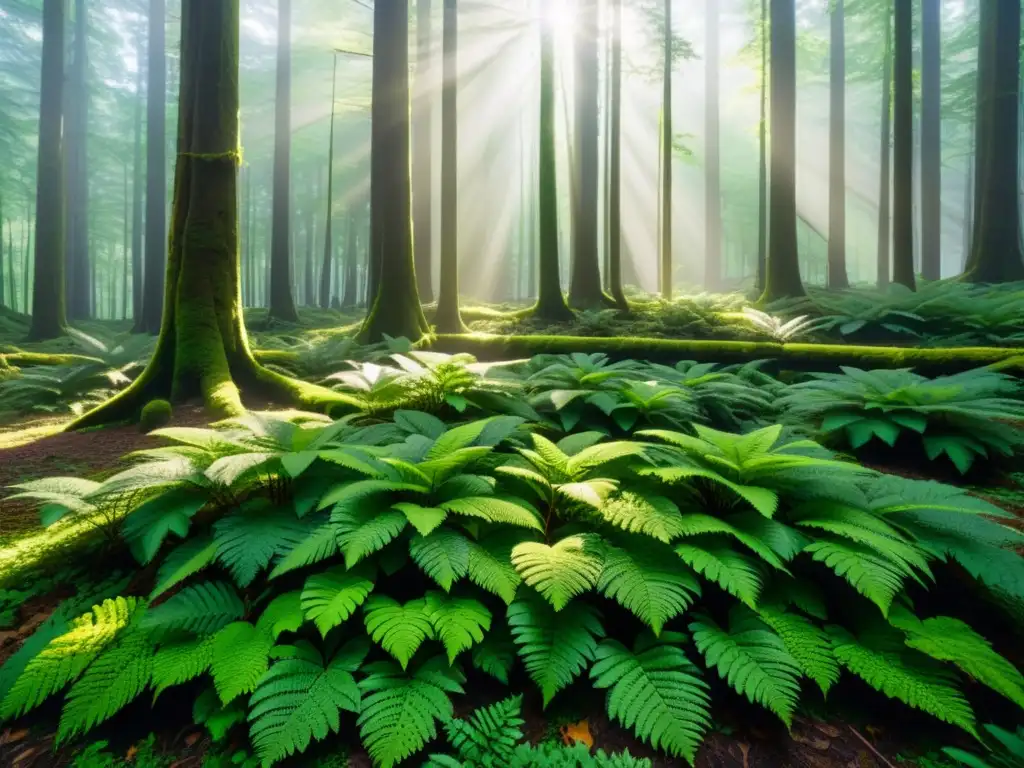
x: 1007, y: 750
x: 155, y: 414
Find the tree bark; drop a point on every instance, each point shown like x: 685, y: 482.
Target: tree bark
x: 550, y: 299
x: 77, y: 181
x: 996, y: 254
x: 308, y: 292
x: 448, y: 319
x: 422, y: 169
x: 903, y: 147
x: 615, y: 164
x: 712, y: 160
x: 396, y: 309
x: 783, y: 267
x: 884, y: 210
x: 931, y: 139
x: 837, y: 277
x: 156, y: 172
x: 137, y: 197
x: 351, y: 284
x: 762, y: 172
x: 666, y: 161
x: 48, y: 319
x: 10, y: 257
x: 325, y: 270
x: 126, y: 252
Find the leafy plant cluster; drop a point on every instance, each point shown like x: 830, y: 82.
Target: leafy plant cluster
x: 312, y: 572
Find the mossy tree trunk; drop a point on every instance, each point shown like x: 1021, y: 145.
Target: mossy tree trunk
x: 76, y: 189
x: 903, y: 147
x: 137, y: 196
x: 585, y: 284
x: 762, y: 165
x: 395, y: 309
x: 931, y: 139
x: 282, y: 302
x: 666, y: 160
x: 996, y: 255
x: 48, y: 320
x: 448, y: 318
x: 884, y: 262
x: 837, y: 277
x: 615, y: 162
x: 203, y: 351
x: 148, y: 321
x: 782, y: 277
x: 550, y: 299
x: 422, y: 164
x: 712, y: 153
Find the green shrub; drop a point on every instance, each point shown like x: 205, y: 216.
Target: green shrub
x: 155, y: 414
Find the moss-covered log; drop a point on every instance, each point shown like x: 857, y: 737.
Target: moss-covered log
x: 788, y: 356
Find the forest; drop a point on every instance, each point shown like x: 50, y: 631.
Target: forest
x: 511, y: 383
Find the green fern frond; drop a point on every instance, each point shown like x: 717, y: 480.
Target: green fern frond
x: 248, y: 541
x: 490, y: 734
x: 495, y: 509
x: 183, y: 561
x: 736, y: 574
x: 697, y: 524
x: 400, y: 711
x: 648, y: 581
x: 563, y: 570
x: 331, y: 597
x: 424, y: 519
x: 399, y: 629
x: 656, y: 691
x: 874, y: 577
x: 365, y: 530
x: 299, y: 700
x: 67, y: 656
x: 597, y: 456
x: 241, y: 654
x: 808, y: 644
x: 320, y: 544
x: 201, y: 609
x: 649, y: 514
x: 555, y: 647
x: 443, y: 556
x: 179, y: 662
x: 752, y: 659
x: 490, y: 563
x: 496, y: 654
x: 927, y: 687
x: 459, y: 622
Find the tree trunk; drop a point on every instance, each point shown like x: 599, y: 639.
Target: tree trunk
x: 615, y: 164
x: 762, y: 177
x: 996, y: 255
x: 396, y: 309
x: 48, y: 319
x: 448, y: 318
x: 77, y: 172
x: 884, y: 210
x: 26, y: 241
x: 351, y: 283
x: 783, y: 267
x: 282, y: 303
x: 931, y: 139
x: 10, y: 255
x: 156, y: 172
x: 666, y: 161
x: 325, y: 271
x: 585, y: 282
x: 422, y: 170
x: 136, y: 252
x: 308, y: 292
x: 126, y: 252
x: 550, y: 299
x: 837, y: 277
x: 712, y: 160
x: 903, y: 147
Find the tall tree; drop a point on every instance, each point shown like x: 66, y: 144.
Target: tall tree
x: 996, y: 254
x: 422, y: 169
x: 396, y: 309
x: 76, y: 123
x: 762, y: 163
x: 585, y: 280
x: 325, y: 269
x: 903, y: 146
x: 884, y: 263
x: 448, y: 318
x: 550, y: 299
x: 712, y: 160
x: 837, y: 277
x: 48, y: 319
x: 666, y: 159
x: 782, y: 277
x: 156, y: 172
x: 615, y: 162
x: 931, y: 139
x: 351, y: 282
x: 137, y: 196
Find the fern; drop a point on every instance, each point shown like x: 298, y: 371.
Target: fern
x: 241, y: 654
x: 399, y: 629
x: 329, y: 598
x: 179, y: 662
x: 400, y: 710
x: 185, y: 560
x: 459, y: 622
x: 562, y: 571
x: 870, y: 574
x: 495, y: 655
x: 443, y: 556
x: 652, y: 583
x: 752, y: 659
x: 490, y: 563
x: 736, y: 574
x: 808, y: 644
x: 495, y: 510
x: 1008, y: 754
x: 320, y: 544
x: 554, y: 647
x: 299, y: 700
x: 248, y: 541
x: 201, y: 609
x: 365, y: 530
x: 649, y: 514
x: 656, y: 691
x: 489, y: 735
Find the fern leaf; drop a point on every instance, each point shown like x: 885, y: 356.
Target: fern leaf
x: 459, y: 622
x: 603, y: 453
x: 807, y: 644
x: 329, y: 598
x: 183, y: 561
x: 241, y: 654
x: 496, y: 655
x: 652, y: 584
x: 651, y: 515
x: 400, y: 711
x: 424, y: 519
x: 299, y: 701
x: 67, y: 656
x: 179, y: 662
x: 925, y: 687
x: 494, y: 509
x: 320, y: 544
x: 736, y: 574
x: 753, y: 660
x: 555, y: 647
x: 443, y: 556
x: 562, y: 571
x: 248, y: 541
x: 282, y: 614
x: 488, y: 736
x: 490, y: 563
x: 201, y: 609
x: 399, y: 629
x: 874, y: 577
x: 657, y: 692
x: 148, y: 525
x: 696, y: 524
